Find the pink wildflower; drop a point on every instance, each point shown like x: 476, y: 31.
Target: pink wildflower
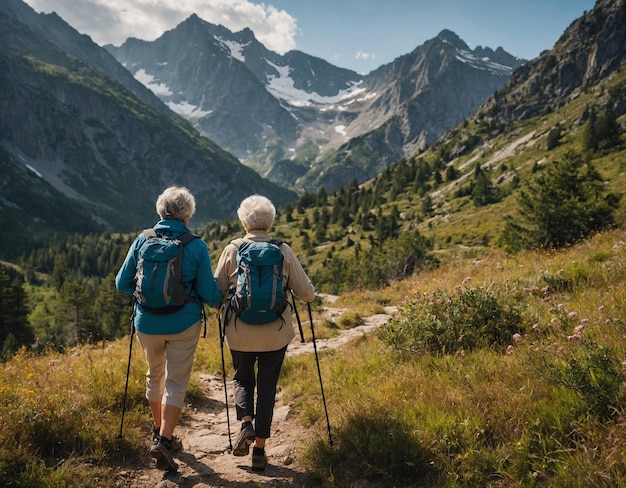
x: 517, y: 337
x: 601, y: 308
x: 571, y: 315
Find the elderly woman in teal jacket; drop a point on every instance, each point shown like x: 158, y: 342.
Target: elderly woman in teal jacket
x: 169, y: 341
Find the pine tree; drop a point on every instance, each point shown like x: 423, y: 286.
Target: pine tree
x: 13, y: 311
x: 562, y: 205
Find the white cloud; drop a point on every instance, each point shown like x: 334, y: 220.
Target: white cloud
x: 365, y: 56
x: 113, y: 21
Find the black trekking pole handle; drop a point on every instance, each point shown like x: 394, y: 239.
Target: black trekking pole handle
x: 319, y: 373
x: 295, y: 309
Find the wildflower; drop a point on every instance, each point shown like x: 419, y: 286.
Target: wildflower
x: 584, y: 321
x: 554, y: 320
x: 579, y: 328
x: 571, y: 315
x: 536, y: 328
x: 467, y: 278
x: 546, y: 299
x: 560, y: 306
x: 509, y: 349
x: 545, y: 289
x: 517, y: 337
x: 601, y: 308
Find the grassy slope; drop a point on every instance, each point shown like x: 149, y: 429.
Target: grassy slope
x: 475, y: 418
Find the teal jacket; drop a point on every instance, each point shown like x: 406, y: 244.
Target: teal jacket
x: 197, y: 277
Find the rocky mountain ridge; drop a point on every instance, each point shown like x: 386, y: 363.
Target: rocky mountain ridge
x: 86, y: 148
x: 286, y: 115
x: 590, y: 50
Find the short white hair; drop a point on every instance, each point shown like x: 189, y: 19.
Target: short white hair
x: 176, y: 203
x: 256, y: 213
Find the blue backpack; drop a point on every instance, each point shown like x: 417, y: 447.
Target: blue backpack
x: 259, y: 297
x: 159, y: 287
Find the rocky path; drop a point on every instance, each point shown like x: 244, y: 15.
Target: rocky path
x: 206, y: 461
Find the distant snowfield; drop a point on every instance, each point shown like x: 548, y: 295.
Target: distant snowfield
x: 183, y: 108
x: 159, y: 89
x: 282, y: 86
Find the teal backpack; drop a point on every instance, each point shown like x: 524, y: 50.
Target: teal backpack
x: 159, y: 287
x: 259, y: 297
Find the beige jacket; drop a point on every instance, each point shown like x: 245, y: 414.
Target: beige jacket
x: 273, y: 335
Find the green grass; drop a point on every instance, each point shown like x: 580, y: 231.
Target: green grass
x: 546, y: 410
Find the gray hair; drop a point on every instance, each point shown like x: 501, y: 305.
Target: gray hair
x: 256, y: 213
x: 176, y: 203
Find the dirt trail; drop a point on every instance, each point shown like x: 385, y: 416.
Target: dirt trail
x: 206, y: 461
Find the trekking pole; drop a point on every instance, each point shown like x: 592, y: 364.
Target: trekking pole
x: 222, y: 334
x: 319, y: 372
x: 130, y: 355
x: 295, y: 309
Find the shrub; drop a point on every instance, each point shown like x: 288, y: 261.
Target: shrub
x: 591, y: 371
x: 448, y: 323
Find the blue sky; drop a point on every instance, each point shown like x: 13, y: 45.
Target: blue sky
x: 357, y: 34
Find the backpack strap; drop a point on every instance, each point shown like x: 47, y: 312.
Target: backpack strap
x: 187, y: 237
x: 276, y: 242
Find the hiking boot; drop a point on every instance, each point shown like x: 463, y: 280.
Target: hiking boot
x: 244, y: 439
x: 259, y: 459
x: 163, y: 455
x: 177, y: 443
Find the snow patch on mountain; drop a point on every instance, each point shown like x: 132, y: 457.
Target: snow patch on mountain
x: 482, y: 63
x: 159, y: 89
x: 183, y: 107
x: 34, y: 170
x: 283, y: 87
x: 235, y: 48
x: 188, y: 110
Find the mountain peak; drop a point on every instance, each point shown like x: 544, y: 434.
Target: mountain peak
x: 450, y: 37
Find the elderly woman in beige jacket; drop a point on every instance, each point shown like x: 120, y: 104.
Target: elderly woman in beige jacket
x: 262, y: 344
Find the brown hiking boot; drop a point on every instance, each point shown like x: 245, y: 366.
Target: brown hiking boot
x: 244, y: 439
x: 259, y: 459
x: 177, y: 443
x: 163, y: 456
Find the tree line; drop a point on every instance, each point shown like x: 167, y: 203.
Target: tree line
x: 64, y: 292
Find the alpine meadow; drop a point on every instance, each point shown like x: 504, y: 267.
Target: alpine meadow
x: 499, y: 241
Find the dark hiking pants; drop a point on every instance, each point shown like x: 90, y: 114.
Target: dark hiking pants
x: 265, y: 381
